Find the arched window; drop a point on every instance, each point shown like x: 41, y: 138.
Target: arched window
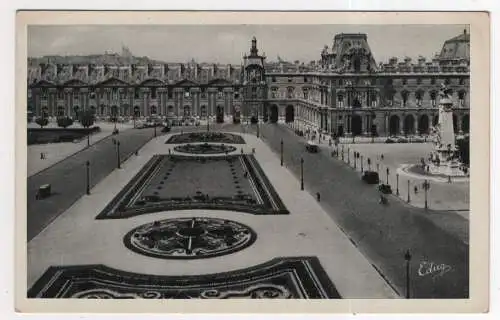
x: 433, y: 96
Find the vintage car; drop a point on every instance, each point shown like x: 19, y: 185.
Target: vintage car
x: 312, y: 147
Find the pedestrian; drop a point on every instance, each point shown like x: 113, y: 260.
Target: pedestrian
x: 382, y: 157
x: 318, y: 196
x: 415, y: 189
x: 42, y: 155
x: 245, y: 174
x: 253, y: 150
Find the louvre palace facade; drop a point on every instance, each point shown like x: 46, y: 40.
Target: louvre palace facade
x: 345, y: 91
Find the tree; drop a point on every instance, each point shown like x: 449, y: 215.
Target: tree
x: 87, y: 118
x: 42, y: 122
x: 64, y: 122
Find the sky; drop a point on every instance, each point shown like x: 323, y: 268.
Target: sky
x: 228, y: 43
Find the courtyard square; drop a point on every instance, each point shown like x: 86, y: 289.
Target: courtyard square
x: 306, y: 234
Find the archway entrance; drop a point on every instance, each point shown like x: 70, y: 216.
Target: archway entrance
x: 187, y: 112
x: 465, y: 123
x: 219, y: 118
x: 265, y: 114
x: 409, y: 124
x: 203, y: 111
x: 423, y: 124
x: 340, y: 131
x: 394, y: 125
x: 274, y: 114
x: 455, y: 123
x: 289, y: 114
x: 236, y: 114
x: 356, y: 125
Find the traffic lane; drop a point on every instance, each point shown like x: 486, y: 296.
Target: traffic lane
x: 68, y: 178
x: 382, y: 233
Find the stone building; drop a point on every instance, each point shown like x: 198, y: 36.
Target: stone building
x: 345, y: 92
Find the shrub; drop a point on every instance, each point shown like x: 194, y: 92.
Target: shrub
x: 42, y: 122
x: 87, y: 118
x: 64, y: 122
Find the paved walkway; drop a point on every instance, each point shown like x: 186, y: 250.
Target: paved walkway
x: 383, y: 233
x: 55, y: 152
x: 68, y: 177
x: 306, y: 231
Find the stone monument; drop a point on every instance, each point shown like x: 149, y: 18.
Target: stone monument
x: 444, y: 159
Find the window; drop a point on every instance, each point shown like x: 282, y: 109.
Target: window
x: 405, y: 82
x: 433, y: 98
x: 289, y: 79
x: 273, y: 79
x: 290, y: 92
x: 341, y: 82
x: 433, y: 81
x: 203, y: 95
x: 419, y: 80
x: 404, y: 96
x: 170, y: 94
x: 418, y: 97
x: 236, y: 95
x: 136, y: 93
x: 274, y: 92
x: 462, y: 81
x: 306, y: 93
x: 461, y: 98
x: 153, y: 93
x: 305, y: 79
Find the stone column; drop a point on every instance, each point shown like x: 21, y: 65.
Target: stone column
x: 401, y: 125
x: 415, y: 124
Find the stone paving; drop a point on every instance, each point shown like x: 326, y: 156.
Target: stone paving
x: 68, y: 177
x: 55, y: 152
x: 383, y: 233
x: 306, y: 231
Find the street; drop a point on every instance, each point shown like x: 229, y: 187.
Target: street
x: 382, y: 233
x: 68, y: 177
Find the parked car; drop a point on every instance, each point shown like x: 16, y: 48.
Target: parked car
x: 312, y: 147
x: 385, y: 188
x: 390, y: 140
x: 370, y: 177
x: 402, y: 140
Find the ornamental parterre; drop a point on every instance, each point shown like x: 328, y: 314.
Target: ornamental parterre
x: 214, y: 137
x: 205, y: 148
x: 175, y: 182
x: 189, y: 238
x: 280, y: 278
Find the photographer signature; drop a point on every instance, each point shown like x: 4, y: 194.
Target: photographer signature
x: 427, y: 268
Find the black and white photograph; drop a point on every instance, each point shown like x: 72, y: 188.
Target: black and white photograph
x: 249, y: 161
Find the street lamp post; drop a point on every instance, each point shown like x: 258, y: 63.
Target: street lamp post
x: 387, y: 171
x: 397, y: 184
x: 361, y: 164
x: 88, y: 139
x: 281, y: 145
x: 408, y: 200
x: 87, y: 164
x: 426, y: 188
x: 118, y: 153
x: 301, y: 173
x: 407, y: 259
x: 355, y: 159
x: 348, y: 157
